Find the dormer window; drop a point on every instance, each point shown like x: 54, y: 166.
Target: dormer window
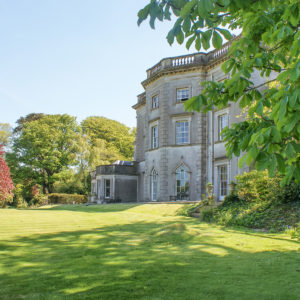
x: 182, y: 94
x: 155, y: 102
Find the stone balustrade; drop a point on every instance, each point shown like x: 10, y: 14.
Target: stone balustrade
x: 189, y: 60
x: 183, y: 60
x: 221, y: 52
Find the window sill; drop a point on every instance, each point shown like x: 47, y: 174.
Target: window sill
x: 180, y: 102
x: 152, y: 149
x: 219, y: 142
x: 180, y: 145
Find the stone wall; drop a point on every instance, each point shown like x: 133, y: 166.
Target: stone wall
x: 205, y: 152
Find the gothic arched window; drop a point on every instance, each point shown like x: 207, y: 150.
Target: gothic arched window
x: 182, y: 183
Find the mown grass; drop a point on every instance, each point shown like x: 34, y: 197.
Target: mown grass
x: 139, y: 252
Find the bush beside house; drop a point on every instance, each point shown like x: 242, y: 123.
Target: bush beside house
x: 259, y: 202
x: 67, y: 199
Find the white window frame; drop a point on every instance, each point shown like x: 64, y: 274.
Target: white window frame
x: 222, y: 123
x: 182, y: 94
x: 186, y: 179
x: 155, y: 101
x: 154, y: 139
x: 222, y: 195
x: 106, y: 196
x: 186, y: 132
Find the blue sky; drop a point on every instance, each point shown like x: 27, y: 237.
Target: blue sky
x: 78, y: 57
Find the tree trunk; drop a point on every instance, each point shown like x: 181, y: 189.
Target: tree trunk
x: 45, y: 182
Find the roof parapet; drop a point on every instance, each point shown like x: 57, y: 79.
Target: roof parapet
x: 141, y: 100
x: 187, y: 61
x: 183, y: 62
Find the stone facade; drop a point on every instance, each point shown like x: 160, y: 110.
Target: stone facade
x: 177, y: 152
x: 182, y: 168
x: 114, y: 183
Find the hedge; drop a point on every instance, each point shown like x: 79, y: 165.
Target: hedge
x: 67, y: 198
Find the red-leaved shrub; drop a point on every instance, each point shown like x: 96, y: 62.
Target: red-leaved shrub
x: 6, y: 184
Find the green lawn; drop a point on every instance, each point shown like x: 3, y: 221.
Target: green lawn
x: 139, y: 252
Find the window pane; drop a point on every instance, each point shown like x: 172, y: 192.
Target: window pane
x: 223, y: 184
x: 182, y: 183
x: 107, y: 188
x: 155, y: 101
x: 182, y: 132
x: 222, y: 123
x: 154, y: 137
x: 182, y: 94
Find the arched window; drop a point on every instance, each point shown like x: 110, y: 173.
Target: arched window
x: 153, y: 185
x: 182, y: 183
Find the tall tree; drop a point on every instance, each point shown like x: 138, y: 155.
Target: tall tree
x: 117, y: 136
x: 29, y: 118
x: 5, y: 133
x: 90, y: 155
x: 44, y: 147
x: 6, y: 184
x: 269, y: 43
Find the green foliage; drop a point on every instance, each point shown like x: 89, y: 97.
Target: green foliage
x: 259, y: 201
x: 187, y: 209
x: 43, y: 148
x: 269, y: 45
x: 38, y: 200
x: 232, y: 198
x: 5, y: 133
x: 207, y: 215
x: 289, y: 193
x: 56, y: 198
x: 103, y: 142
x: 69, y: 182
x: 58, y: 154
x: 294, y: 231
x: 18, y: 200
x: 98, y: 152
x: 261, y: 215
x: 29, y: 118
x: 117, y: 138
x: 257, y: 186
x: 25, y: 190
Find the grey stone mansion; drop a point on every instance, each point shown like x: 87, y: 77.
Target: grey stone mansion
x: 176, y: 152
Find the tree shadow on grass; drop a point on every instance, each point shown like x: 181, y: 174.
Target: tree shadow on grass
x: 255, y: 233
x: 144, y: 260
x: 89, y: 208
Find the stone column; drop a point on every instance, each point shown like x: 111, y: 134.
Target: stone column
x: 163, y: 142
